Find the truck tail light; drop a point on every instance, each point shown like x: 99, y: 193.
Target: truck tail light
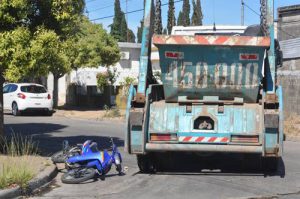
x: 245, y: 138
x: 21, y: 95
x: 163, y: 137
x: 49, y: 96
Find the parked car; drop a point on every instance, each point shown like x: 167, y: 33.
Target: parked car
x: 23, y: 97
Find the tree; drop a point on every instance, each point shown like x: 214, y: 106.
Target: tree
x: 165, y: 31
x: 13, y: 13
x: 140, y: 32
x: 119, y: 29
x: 171, y: 16
x: 131, y: 36
x: 158, y: 22
x: 180, y: 19
x: 116, y: 27
x: 91, y: 47
x: 197, y: 14
x: 186, y: 9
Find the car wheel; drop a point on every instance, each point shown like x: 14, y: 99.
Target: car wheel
x: 15, y: 110
x: 49, y: 113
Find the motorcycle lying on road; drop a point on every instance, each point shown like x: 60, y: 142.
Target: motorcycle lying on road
x: 91, y: 163
x: 68, y: 151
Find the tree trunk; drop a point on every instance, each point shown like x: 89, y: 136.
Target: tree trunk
x: 1, y: 106
x: 55, y: 90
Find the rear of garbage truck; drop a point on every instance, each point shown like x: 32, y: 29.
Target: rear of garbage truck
x: 218, y: 95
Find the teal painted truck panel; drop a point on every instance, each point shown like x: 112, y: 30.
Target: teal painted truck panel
x: 172, y: 117
x: 211, y: 71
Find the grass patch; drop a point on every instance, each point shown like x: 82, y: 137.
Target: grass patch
x: 112, y: 113
x: 19, y: 162
x: 18, y: 145
x: 292, y: 125
x: 19, y: 170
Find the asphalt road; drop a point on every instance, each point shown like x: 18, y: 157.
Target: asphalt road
x: 225, y: 177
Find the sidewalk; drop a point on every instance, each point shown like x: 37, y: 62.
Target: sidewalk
x: 90, y: 114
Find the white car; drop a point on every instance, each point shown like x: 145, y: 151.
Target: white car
x: 26, y: 97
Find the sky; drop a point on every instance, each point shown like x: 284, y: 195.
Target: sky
x: 222, y: 12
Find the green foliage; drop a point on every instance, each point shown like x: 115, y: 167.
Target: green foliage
x: 92, y: 46
x: 171, y: 16
x: 186, y: 9
x: 197, y: 14
x: 165, y: 31
x: 158, y: 21
x: 107, y: 78
x: 140, y: 32
x: 13, y: 13
x: 180, y: 19
x: 18, y: 145
x: 48, y: 53
x: 131, y: 36
x: 15, y: 171
x: 126, y: 85
x: 119, y: 29
x: 15, y: 53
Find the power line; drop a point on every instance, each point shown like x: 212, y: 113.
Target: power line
x: 251, y: 9
x: 108, y: 6
x: 130, y: 12
x: 277, y: 27
x: 90, y: 1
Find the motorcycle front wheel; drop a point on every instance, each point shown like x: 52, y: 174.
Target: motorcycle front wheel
x: 76, y: 176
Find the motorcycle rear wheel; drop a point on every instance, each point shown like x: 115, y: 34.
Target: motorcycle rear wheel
x: 76, y: 176
x: 61, y: 156
x: 58, y: 157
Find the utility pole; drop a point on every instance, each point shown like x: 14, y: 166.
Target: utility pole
x: 242, y: 12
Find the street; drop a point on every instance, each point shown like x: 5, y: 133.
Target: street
x: 211, y: 182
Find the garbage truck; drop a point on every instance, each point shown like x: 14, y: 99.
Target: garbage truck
x: 219, y: 93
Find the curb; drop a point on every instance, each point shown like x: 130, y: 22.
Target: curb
x: 39, y: 181
x: 10, y: 193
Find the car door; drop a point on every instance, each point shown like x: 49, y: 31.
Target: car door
x: 11, y: 95
x: 6, y: 96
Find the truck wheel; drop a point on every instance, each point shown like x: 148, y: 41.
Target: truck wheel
x: 145, y: 163
x: 270, y: 164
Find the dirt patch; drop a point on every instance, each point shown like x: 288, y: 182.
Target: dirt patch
x: 91, y: 114
x: 20, y: 170
x: 292, y: 126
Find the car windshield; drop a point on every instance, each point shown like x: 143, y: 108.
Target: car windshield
x: 33, y: 89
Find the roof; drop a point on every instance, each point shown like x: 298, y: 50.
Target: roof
x: 209, y: 29
x: 129, y: 45
x: 289, y: 8
x: 290, y: 48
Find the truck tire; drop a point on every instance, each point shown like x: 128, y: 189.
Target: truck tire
x: 270, y: 164
x: 145, y: 163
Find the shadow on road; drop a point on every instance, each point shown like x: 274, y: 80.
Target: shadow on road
x: 215, y: 164
x: 49, y: 144
x: 31, y: 114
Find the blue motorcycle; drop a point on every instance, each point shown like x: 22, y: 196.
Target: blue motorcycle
x: 91, y: 163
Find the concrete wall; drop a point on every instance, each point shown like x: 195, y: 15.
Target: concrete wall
x: 62, y: 88
x: 288, y: 22
x: 128, y: 66
x: 290, y: 82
